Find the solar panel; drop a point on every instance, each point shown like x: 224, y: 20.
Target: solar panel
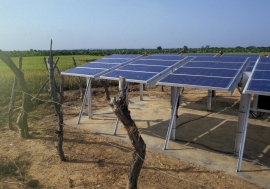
x: 81, y: 71
x: 128, y: 75
x: 144, y: 68
x: 155, y: 62
x: 213, y: 65
x: 114, y: 61
x: 195, y: 81
x: 212, y: 73
x: 200, y: 54
x: 220, y: 59
x: 98, y: 67
x: 259, y: 81
x: 160, y: 57
x: 242, y: 55
x: 266, y: 60
x: 128, y: 56
x: 206, y: 72
x: 249, y: 69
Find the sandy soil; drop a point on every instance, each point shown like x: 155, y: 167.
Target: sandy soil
x: 93, y: 160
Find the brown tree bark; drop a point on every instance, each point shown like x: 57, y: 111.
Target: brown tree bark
x: 12, y: 98
x: 104, y: 83
x: 26, y: 98
x: 57, y: 106
x: 120, y: 109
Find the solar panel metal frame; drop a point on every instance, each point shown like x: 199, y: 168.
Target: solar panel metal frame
x: 246, y: 91
x: 230, y: 87
x: 155, y: 78
x: 96, y: 76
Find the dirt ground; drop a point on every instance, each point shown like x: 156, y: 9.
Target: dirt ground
x: 94, y: 160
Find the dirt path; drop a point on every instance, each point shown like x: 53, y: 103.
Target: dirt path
x: 96, y: 161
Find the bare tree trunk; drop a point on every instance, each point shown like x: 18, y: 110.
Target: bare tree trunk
x: 57, y: 106
x: 12, y: 98
x: 79, y: 80
x: 26, y: 98
x: 120, y: 109
x: 162, y: 88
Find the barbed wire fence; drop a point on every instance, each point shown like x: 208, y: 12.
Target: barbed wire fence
x: 105, y: 139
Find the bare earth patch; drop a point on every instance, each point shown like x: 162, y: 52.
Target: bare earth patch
x: 93, y: 160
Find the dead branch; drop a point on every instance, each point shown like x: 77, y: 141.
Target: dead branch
x: 120, y: 109
x: 57, y: 106
x: 27, y: 104
x: 12, y: 98
x: 104, y: 83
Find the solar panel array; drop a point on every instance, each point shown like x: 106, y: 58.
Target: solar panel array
x: 212, y: 73
x: 148, y: 69
x: 259, y: 81
x: 96, y: 68
x: 200, y: 54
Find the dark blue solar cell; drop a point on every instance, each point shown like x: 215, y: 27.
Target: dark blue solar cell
x: 242, y: 55
x: 261, y: 66
x: 249, y: 69
x: 98, y: 65
x: 114, y: 61
x: 220, y: 59
x: 144, y: 68
x: 141, y: 76
x: 200, y: 55
x: 159, y: 57
x: 206, y: 72
x: 197, y: 81
x: 214, y: 65
x: 252, y: 63
x: 155, y: 62
x: 266, y: 60
x: 261, y: 75
x: 259, y: 85
x: 83, y: 71
x: 166, y: 54
x: 129, y: 56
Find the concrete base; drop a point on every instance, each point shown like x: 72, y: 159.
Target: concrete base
x: 214, y: 129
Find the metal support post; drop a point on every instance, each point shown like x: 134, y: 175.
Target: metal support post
x: 141, y: 91
x: 174, y: 102
x: 88, y: 86
x: 209, y: 100
x: 89, y: 100
x: 242, y: 128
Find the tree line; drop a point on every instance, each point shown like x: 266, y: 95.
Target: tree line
x: 159, y: 49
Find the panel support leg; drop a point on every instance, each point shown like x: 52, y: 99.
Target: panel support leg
x: 209, y: 100
x: 174, y: 102
x: 89, y: 99
x: 241, y: 131
x: 88, y: 88
x: 141, y: 91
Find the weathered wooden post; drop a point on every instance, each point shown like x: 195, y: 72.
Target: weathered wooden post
x: 57, y: 103
x: 120, y: 109
x: 12, y: 98
x: 26, y: 100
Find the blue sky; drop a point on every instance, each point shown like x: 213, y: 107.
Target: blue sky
x: 83, y: 24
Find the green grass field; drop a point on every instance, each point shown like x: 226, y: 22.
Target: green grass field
x: 35, y: 72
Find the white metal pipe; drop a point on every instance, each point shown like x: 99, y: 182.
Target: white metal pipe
x: 141, y: 91
x: 89, y: 100
x: 84, y: 100
x: 172, y: 119
x: 242, y: 146
x: 116, y: 127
